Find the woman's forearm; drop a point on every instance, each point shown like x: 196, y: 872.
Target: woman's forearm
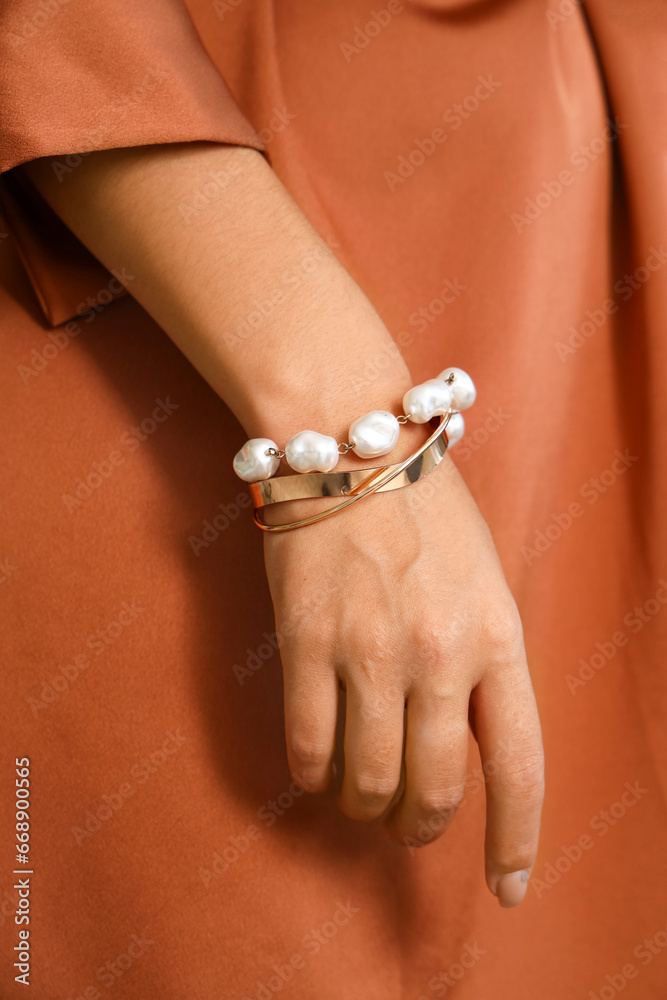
x: 425, y: 618
x: 245, y: 286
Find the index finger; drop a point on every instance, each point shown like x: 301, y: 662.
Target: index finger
x: 507, y: 729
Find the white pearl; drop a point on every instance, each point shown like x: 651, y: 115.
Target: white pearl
x: 462, y: 388
x: 428, y: 400
x: 375, y: 434
x: 454, y: 429
x: 309, y: 451
x: 252, y: 463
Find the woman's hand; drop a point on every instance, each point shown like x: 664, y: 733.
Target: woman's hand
x: 402, y: 601
x: 412, y: 604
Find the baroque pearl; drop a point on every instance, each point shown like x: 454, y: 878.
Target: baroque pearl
x: 462, y: 388
x: 309, y: 451
x: 454, y: 429
x: 428, y: 400
x: 252, y: 463
x: 374, y: 434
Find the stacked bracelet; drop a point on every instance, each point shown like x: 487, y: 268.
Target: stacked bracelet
x: 371, y: 436
x: 352, y: 485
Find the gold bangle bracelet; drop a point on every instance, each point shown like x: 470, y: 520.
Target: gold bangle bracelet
x: 353, y: 485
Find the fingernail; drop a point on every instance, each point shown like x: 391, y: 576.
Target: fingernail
x: 511, y: 888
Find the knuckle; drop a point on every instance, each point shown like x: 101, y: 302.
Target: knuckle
x: 311, y: 640
x: 434, y: 641
x: 374, y: 789
x: 524, y: 775
x: 306, y: 750
x: 502, y: 633
x: 372, y: 642
x: 440, y: 802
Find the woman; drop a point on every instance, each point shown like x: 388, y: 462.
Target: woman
x: 313, y: 209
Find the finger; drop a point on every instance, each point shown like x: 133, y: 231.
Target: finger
x: 436, y: 754
x: 373, y: 749
x: 311, y: 707
x: 507, y: 728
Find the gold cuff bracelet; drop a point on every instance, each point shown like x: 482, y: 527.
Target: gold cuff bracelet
x: 353, y: 485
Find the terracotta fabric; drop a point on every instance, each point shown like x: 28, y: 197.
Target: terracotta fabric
x: 78, y: 76
x: 521, y: 241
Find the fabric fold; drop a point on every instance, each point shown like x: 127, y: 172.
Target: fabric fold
x: 81, y: 76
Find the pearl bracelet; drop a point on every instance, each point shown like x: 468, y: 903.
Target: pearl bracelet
x: 370, y: 436
x: 350, y: 486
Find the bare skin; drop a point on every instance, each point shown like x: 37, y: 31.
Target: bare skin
x: 418, y: 615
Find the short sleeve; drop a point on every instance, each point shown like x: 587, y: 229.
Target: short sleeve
x: 84, y: 75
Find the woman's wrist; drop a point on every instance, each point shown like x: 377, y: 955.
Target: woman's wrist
x: 330, y: 412
x: 299, y: 362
